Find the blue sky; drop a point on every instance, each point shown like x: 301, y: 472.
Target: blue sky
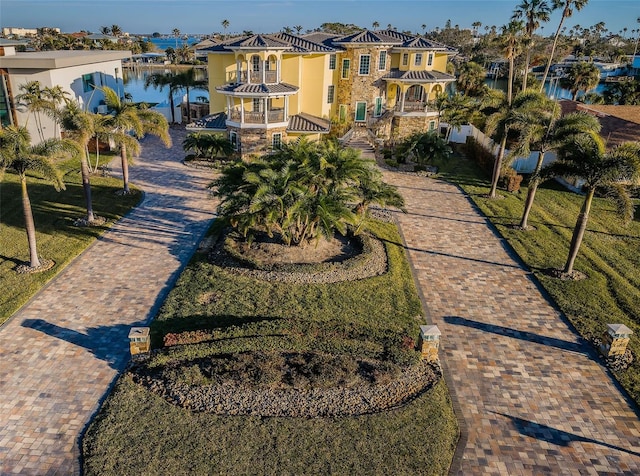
x: 204, y: 16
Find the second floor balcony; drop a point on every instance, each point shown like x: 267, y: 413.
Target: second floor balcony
x: 257, y: 117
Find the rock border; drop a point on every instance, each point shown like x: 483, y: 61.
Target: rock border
x: 371, y: 262
x: 231, y: 400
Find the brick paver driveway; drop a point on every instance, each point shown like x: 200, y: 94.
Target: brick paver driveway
x: 533, y: 398
x: 60, y: 352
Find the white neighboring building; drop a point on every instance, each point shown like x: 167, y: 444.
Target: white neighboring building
x: 78, y: 72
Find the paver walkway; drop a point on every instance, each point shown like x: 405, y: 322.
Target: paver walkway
x: 532, y: 396
x: 60, y: 353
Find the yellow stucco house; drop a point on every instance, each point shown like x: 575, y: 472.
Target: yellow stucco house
x: 270, y: 89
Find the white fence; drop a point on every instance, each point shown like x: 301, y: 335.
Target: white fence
x: 524, y: 165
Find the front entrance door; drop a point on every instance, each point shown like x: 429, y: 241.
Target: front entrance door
x: 361, y: 111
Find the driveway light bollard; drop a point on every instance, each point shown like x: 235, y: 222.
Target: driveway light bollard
x: 139, y: 340
x: 429, y: 342
x: 615, y: 340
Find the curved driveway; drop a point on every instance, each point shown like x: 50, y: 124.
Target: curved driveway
x: 531, y: 394
x: 532, y: 398
x: 60, y: 353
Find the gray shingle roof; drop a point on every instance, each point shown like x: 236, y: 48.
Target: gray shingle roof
x: 418, y: 76
x: 368, y: 37
x: 307, y: 123
x: 259, y: 89
x: 217, y: 121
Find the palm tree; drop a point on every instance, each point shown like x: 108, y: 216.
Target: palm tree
x: 225, y: 25
x: 159, y: 81
x: 618, y: 169
x: 542, y: 129
x: 580, y: 76
x: 79, y: 126
x: 34, y: 97
x: 532, y: 12
x: 116, y: 30
x: 206, y: 145
x: 511, y: 41
x: 187, y: 79
x: 375, y: 25
x: 105, y: 30
x: 425, y: 147
x: 503, y: 116
x: 567, y: 10
x: 470, y: 80
x: 298, y: 28
x: 456, y: 111
x: 17, y: 154
x: 126, y: 117
x: 176, y: 33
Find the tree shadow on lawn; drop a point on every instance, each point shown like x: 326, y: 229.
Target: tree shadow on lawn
x: 555, y: 436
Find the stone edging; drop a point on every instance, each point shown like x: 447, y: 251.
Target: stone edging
x: 229, y: 399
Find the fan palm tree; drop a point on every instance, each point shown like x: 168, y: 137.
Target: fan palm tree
x: 511, y: 41
x: 17, y: 154
x: 188, y: 80
x: 503, y: 117
x: 542, y: 129
x: 126, y: 117
x: 580, y: 76
x: 567, y: 7
x: 160, y: 81
x: 532, y: 12
x: 585, y: 156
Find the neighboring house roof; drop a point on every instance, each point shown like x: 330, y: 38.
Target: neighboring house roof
x: 619, y: 123
x: 205, y: 44
x: 307, y: 123
x: 211, y: 122
x: 253, y: 89
x: 419, y: 76
x: 100, y: 36
x: 60, y: 58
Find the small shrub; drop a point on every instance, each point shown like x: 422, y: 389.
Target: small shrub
x: 392, y: 163
x: 512, y: 181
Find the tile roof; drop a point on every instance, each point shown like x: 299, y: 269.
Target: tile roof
x: 620, y: 124
x: 252, y: 88
x: 303, y: 44
x: 418, y: 76
x: 368, y: 37
x: 216, y: 122
x: 307, y: 123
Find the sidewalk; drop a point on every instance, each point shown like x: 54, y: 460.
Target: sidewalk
x: 532, y: 397
x: 60, y: 353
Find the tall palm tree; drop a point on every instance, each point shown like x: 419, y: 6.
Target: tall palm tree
x: 176, y: 33
x: 225, y: 24
x: 511, y: 41
x: 532, y: 12
x: 542, y: 129
x: 503, y: 116
x: 580, y: 76
x: 586, y: 157
x: 188, y: 80
x: 17, y: 154
x: 375, y: 25
x: 160, y: 81
x: 126, y: 117
x: 79, y: 126
x: 298, y: 28
x: 116, y: 30
x: 567, y: 7
x: 34, y: 98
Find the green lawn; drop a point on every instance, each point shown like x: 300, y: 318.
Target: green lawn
x: 609, y: 255
x: 135, y: 431
x: 57, y: 238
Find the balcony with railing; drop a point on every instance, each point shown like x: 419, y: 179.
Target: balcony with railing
x: 413, y: 107
x: 254, y: 77
x: 257, y: 117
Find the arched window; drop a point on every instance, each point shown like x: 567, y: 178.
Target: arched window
x: 415, y: 93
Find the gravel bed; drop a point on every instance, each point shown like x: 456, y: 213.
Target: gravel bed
x: 230, y: 399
